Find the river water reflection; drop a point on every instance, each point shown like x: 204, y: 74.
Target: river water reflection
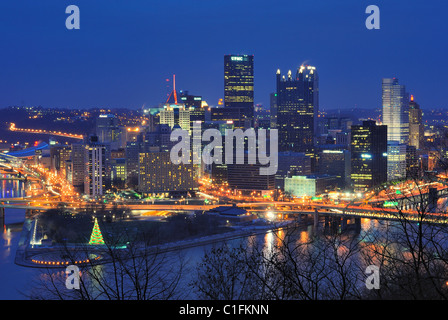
x: 15, y: 281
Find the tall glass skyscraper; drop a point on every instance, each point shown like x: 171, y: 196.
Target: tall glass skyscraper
x: 239, y: 84
x: 395, y: 110
x: 368, y: 155
x: 297, y: 108
x: 396, y: 118
x: 107, y: 128
x: 416, y: 129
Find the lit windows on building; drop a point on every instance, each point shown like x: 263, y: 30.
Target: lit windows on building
x: 396, y: 161
x: 309, y: 186
x: 368, y: 155
x: 297, y: 107
x: 395, y: 110
x: 239, y: 85
x: 416, y: 129
x: 97, y: 178
x: 173, y: 115
x: 159, y: 175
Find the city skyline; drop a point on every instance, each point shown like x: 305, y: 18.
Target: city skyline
x: 223, y: 150
x: 128, y: 71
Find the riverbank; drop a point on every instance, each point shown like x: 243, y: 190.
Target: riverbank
x: 52, y: 257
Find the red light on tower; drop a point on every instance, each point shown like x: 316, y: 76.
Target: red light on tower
x: 412, y: 97
x: 174, y: 93
x: 174, y: 89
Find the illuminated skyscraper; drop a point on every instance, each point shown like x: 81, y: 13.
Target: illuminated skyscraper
x: 194, y: 104
x: 132, y: 151
x: 175, y: 114
x: 416, y: 131
x: 368, y: 155
x: 395, y: 111
x: 107, y: 130
x: 77, y: 166
x: 118, y: 172
x: 59, y: 154
x: 336, y: 163
x: 239, y: 85
x: 396, y: 160
x: 97, y: 178
x: 412, y: 163
x: 297, y: 108
x: 396, y: 118
x: 273, y: 109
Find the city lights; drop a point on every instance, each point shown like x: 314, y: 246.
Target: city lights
x: 241, y: 152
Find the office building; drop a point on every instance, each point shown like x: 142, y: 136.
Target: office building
x: 395, y: 110
x: 97, y: 179
x: 107, y: 130
x: 59, y: 155
x: 190, y: 100
x: 246, y: 177
x: 158, y: 175
x: 235, y: 116
x: 413, y: 170
x: 368, y: 155
x: 129, y: 134
x: 77, y: 171
x: 297, y: 107
x: 291, y: 164
x: 195, y: 105
x: 132, y: 151
x: 273, y: 109
x: 262, y: 118
x: 239, y: 87
x: 396, y: 118
x: 175, y: 115
x: 416, y: 129
x: 118, y: 172
x: 309, y: 186
x: 343, y: 138
x: 158, y: 138
x: 218, y: 173
x: 336, y: 163
x: 396, y: 161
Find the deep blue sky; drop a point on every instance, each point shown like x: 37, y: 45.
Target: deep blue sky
x: 125, y: 50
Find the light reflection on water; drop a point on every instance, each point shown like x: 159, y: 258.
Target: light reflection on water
x: 14, y: 278
x: 7, y: 236
x: 12, y: 188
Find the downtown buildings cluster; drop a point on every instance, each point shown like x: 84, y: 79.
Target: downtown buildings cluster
x: 316, y: 154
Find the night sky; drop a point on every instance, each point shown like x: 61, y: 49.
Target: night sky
x: 125, y: 50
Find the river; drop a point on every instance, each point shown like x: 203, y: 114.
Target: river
x: 16, y: 281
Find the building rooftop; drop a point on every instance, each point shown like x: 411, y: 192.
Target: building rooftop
x: 228, y: 211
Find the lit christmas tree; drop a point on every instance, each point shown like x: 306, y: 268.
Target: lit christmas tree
x: 96, y: 237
